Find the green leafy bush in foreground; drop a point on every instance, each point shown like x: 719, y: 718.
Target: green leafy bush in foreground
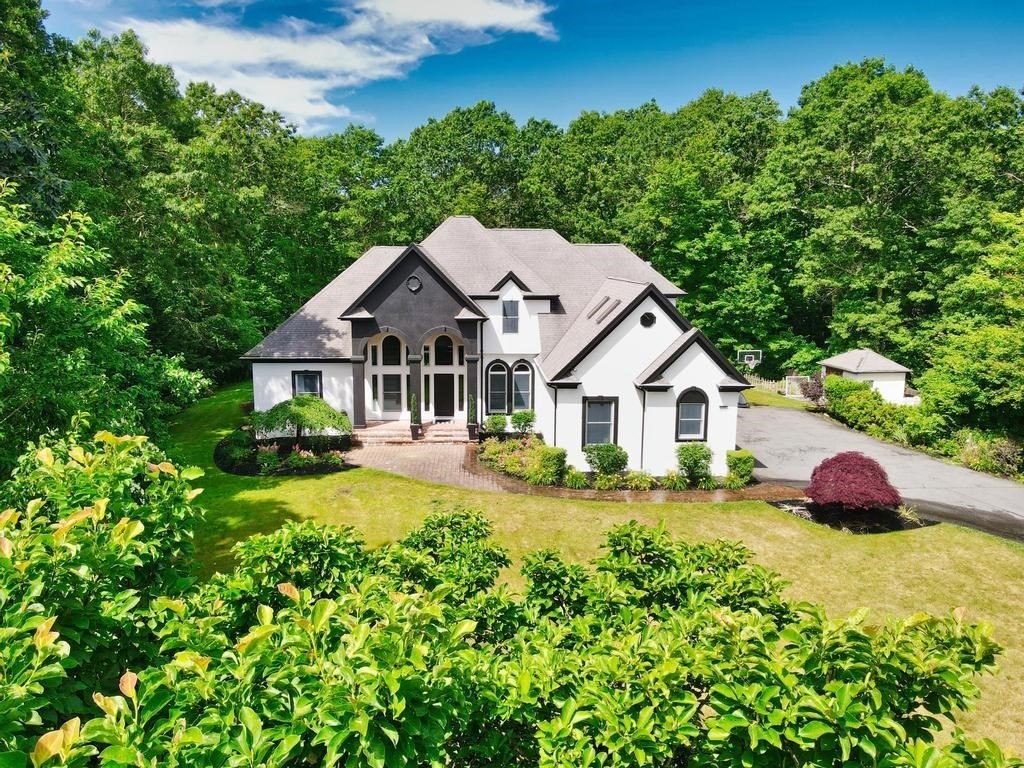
x: 317, y: 650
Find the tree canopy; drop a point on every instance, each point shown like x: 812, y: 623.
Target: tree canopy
x: 876, y: 212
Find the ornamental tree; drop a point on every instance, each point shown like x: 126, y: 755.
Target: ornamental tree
x: 852, y: 481
x: 305, y: 414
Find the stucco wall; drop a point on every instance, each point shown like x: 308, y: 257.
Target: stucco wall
x: 609, y: 371
x: 527, y: 340
x: 272, y: 383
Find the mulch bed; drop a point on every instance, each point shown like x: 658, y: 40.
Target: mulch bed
x: 755, y: 492
x: 859, y: 522
x: 251, y: 469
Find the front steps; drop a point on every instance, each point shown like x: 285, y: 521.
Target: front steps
x: 398, y: 433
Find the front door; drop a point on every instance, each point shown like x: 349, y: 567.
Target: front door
x: 444, y: 395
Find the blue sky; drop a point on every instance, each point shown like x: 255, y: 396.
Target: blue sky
x: 392, y: 64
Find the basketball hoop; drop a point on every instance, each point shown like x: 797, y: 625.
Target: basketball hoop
x: 750, y: 358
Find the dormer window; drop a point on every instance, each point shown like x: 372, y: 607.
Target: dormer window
x: 510, y: 317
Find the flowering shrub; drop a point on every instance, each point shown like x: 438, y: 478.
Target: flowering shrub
x: 851, y: 480
x: 527, y: 458
x: 640, y: 481
x: 575, y: 479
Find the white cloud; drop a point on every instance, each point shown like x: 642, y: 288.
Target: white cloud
x: 294, y: 65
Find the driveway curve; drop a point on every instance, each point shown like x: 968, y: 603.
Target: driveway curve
x: 788, y: 444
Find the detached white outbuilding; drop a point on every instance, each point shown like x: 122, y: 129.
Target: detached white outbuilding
x: 887, y: 377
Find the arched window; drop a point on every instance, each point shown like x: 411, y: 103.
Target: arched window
x: 444, y: 351
x: 497, y: 387
x: 692, y: 415
x: 391, y: 351
x: 522, y: 386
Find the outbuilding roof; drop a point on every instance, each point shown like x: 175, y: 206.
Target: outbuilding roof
x: 863, y: 361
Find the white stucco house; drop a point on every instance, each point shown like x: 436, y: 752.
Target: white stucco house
x: 887, y: 377
x: 588, y: 336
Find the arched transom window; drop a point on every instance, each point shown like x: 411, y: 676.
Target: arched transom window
x: 391, y: 351
x: 444, y: 351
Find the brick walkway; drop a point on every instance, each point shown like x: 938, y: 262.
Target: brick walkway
x: 439, y: 463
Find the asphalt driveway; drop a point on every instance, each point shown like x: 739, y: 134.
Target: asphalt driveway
x: 788, y: 444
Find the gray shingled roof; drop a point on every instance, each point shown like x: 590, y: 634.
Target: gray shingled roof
x: 315, y: 330
x: 651, y: 377
x: 476, y: 258
x: 605, y: 307
x: 863, y: 361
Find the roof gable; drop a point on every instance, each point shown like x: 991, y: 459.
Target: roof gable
x: 651, y: 377
x: 441, y: 275
x: 607, y: 309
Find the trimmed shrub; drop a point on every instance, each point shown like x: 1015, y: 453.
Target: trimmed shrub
x: 545, y: 465
x: 607, y: 482
x: 694, y: 461
x: 575, y: 479
x: 838, y: 388
x: 606, y: 458
x: 674, y: 481
x: 495, y: 424
x: 305, y: 414
x: 741, y: 465
x: 523, y: 421
x: 640, y: 481
x: 852, y: 481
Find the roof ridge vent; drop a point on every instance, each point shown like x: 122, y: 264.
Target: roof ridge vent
x: 595, y: 310
x: 603, y: 315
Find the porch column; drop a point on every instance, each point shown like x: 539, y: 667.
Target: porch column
x: 416, y: 379
x: 358, y: 391
x: 471, y: 382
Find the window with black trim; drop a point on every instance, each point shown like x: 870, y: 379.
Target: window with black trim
x: 307, y: 383
x: 426, y: 391
x: 497, y: 387
x: 392, y: 395
x: 426, y: 354
x: 444, y: 351
x: 462, y: 355
x: 373, y: 354
x: 522, y: 386
x: 692, y: 415
x: 391, y: 351
x: 599, y: 420
x: 510, y: 317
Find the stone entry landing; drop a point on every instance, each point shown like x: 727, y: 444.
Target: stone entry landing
x: 398, y: 433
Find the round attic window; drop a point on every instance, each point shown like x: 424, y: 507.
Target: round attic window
x: 414, y: 283
x: 647, y: 319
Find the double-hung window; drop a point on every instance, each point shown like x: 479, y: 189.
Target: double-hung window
x: 521, y: 381
x: 599, y: 420
x: 691, y: 415
x: 497, y: 388
x: 510, y: 317
x: 307, y: 383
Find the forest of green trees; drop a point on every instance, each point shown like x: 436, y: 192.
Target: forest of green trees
x: 149, y: 233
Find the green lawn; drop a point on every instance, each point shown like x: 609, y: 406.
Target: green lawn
x: 760, y: 397
x: 932, y: 569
